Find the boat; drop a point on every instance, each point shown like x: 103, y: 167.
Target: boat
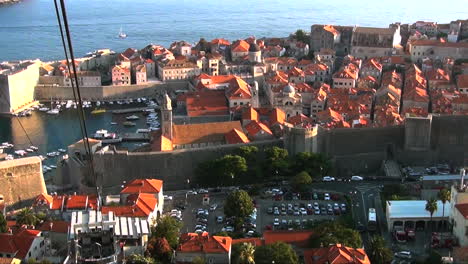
x: 98, y: 111
x: 20, y: 152
x: 129, y: 124
x: 122, y: 35
x: 42, y: 157
x: 106, y: 137
x: 132, y: 117
x: 29, y: 150
x: 9, y: 157
x: 34, y: 148
x: 111, y: 102
x: 44, y: 109
x: 113, y: 123
x: 53, y: 166
x: 53, y: 112
x: 143, y: 130
x: 51, y: 154
x: 62, y: 150
x: 98, y: 103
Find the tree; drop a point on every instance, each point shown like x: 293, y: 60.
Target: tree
x: 3, y: 224
x: 139, y: 259
x: 232, y: 166
x: 198, y: 260
x: 243, y: 253
x: 276, y: 160
x: 330, y: 233
x: 238, y: 204
x: 445, y: 196
x: 313, y: 163
x: 159, y: 248
x: 301, y: 180
x: 26, y: 217
x: 434, y: 258
x: 278, y: 253
x: 168, y: 228
x: 221, y: 172
x: 431, y: 207
x: 300, y: 35
x: 378, y: 252
x: 249, y: 153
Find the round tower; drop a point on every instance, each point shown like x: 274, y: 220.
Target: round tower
x: 255, y: 54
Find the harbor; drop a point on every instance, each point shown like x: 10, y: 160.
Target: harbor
x: 49, y: 134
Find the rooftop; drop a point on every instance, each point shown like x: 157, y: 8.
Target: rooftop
x: 203, y: 133
x: 415, y: 209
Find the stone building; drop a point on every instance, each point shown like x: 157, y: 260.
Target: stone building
x: 370, y: 42
x: 17, y: 83
x: 434, y: 49
x: 21, y: 181
x: 177, y: 70
x: 85, y: 79
x: 121, y: 75
x: 333, y: 37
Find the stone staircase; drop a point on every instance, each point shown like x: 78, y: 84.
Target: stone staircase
x: 392, y: 169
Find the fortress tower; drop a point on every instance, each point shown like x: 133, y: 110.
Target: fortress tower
x: 166, y: 117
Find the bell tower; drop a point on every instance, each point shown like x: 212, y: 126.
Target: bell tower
x: 166, y: 116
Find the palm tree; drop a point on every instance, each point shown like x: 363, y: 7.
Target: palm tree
x: 431, y: 207
x: 445, y: 196
x: 26, y: 217
x: 378, y: 251
x: 246, y: 254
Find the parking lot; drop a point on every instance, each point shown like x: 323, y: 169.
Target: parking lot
x: 297, y: 211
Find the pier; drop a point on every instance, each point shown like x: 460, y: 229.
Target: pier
x: 132, y: 110
x: 135, y: 137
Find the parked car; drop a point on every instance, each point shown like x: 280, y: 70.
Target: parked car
x: 202, y: 191
x: 270, y: 210
x: 357, y: 178
x: 276, y: 222
x: 403, y: 254
x: 303, y: 211
x: 315, y: 196
x: 326, y: 197
x: 192, y: 192
x: 219, y: 219
x: 213, y: 207
x: 343, y: 208
x: 328, y: 179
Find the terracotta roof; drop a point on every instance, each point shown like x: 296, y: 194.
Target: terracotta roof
x: 192, y: 242
x: 203, y: 133
x: 220, y: 41
x: 236, y: 137
x: 298, y: 238
x: 345, y: 74
x: 54, y: 202
x: 462, y: 81
x: 9, y: 260
x: 81, y: 202
x: 317, y: 67
x: 120, y: 68
x: 250, y: 114
x: 296, y: 72
x: 143, y: 186
x: 416, y: 95
x: 55, y: 226
x: 206, y: 103
x: 461, y: 99
x: 300, y: 119
x: 240, y: 46
x: 129, y: 52
x: 373, y: 63
x: 303, y: 88
x: 336, y: 254
x: 18, y: 244
x: 238, y: 89
x: 138, y: 205
x: 277, y: 116
x: 255, y: 127
x: 438, y: 75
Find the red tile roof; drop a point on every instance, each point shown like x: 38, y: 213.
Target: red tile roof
x: 18, y: 244
x: 221, y: 41
x: 336, y: 254
x: 298, y: 238
x: 331, y: 29
x: 240, y: 46
x: 250, y: 114
x: 462, y: 209
x: 143, y: 186
x: 81, y: 202
x: 236, y: 137
x: 203, y: 132
x: 462, y: 81
x: 55, y: 226
x: 206, y: 103
x: 277, y: 116
x: 345, y: 74
x: 300, y: 119
x: 254, y: 127
x: 192, y: 242
x: 138, y: 205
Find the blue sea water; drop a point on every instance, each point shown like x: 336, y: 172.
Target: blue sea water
x: 29, y: 29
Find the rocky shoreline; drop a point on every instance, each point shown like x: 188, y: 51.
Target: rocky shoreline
x: 8, y: 2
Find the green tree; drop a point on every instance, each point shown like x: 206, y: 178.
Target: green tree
x: 232, y: 166
x: 159, y: 248
x: 313, y: 163
x: 243, y: 253
x: 330, y: 233
x: 434, y: 258
x: 276, y: 161
x: 378, y: 251
x: 278, y: 253
x: 431, y: 207
x: 26, y: 217
x: 395, y: 197
x: 198, y: 260
x: 301, y: 180
x: 168, y: 228
x: 224, y: 171
x: 238, y: 204
x: 3, y: 224
x: 139, y: 259
x: 300, y: 35
x: 249, y: 153
x: 445, y: 196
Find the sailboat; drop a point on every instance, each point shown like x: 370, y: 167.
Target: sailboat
x: 122, y: 35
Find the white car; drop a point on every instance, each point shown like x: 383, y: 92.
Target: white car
x: 357, y: 178
x: 276, y: 222
x: 328, y: 179
x: 326, y: 197
x: 202, y: 191
x: 213, y: 207
x: 403, y: 254
x: 167, y: 197
x: 303, y: 211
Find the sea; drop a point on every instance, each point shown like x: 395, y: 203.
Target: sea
x: 29, y: 30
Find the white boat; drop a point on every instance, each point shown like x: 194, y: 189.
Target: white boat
x: 42, y: 157
x: 122, y: 35
x: 62, y: 150
x: 132, y: 117
x: 20, y: 152
x: 139, y: 100
x: 98, y: 103
x: 44, y: 109
x: 53, y: 166
x: 111, y: 102
x: 106, y: 137
x: 113, y: 123
x: 9, y: 157
x: 34, y: 148
x: 29, y: 150
x: 51, y: 154
x: 53, y: 112
x: 142, y: 130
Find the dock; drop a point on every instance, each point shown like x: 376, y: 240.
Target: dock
x: 135, y: 137
x: 132, y: 110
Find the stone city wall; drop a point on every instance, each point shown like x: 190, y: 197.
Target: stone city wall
x: 111, y: 92
x: 21, y: 181
x: 173, y: 167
